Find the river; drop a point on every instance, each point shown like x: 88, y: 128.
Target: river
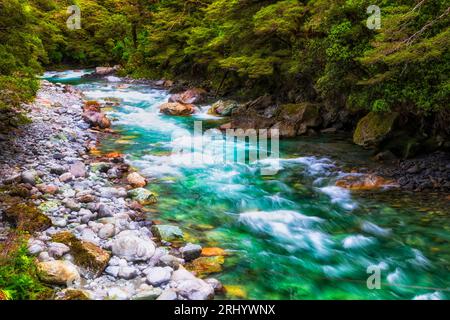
x: 291, y: 235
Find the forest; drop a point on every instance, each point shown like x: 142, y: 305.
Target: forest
x: 296, y: 50
x: 92, y: 208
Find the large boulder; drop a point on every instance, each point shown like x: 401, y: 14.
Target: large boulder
x: 58, y: 272
x: 374, y: 128
x: 177, y: 109
x: 27, y: 218
x: 132, y: 246
x: 87, y: 255
x: 191, y: 96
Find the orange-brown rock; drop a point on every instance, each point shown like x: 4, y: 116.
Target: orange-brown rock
x: 211, y: 252
x: 177, y: 109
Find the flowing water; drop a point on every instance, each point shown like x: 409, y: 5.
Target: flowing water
x: 291, y: 235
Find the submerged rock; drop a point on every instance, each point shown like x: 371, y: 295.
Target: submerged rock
x: 167, y: 233
x: 143, y: 196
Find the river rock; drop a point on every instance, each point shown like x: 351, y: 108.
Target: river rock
x: 57, y: 250
x: 191, y: 251
x: 78, y: 170
x: 30, y: 177
x: 223, y: 108
x: 158, y: 276
x: 136, y: 180
x: 132, y: 246
x: 143, y: 196
x: 87, y: 255
x: 168, y: 294
x: 190, y: 287
x: 177, y: 109
x: 58, y: 272
x: 107, y: 231
x: 66, y: 177
x: 374, y: 128
x: 147, y: 292
x: 167, y: 232
x: 191, y: 96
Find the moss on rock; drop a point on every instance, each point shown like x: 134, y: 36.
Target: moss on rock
x: 374, y: 128
x: 86, y: 254
x: 27, y: 218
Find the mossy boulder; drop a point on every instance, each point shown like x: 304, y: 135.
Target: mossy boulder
x: 167, y: 233
x: 87, y: 255
x: 374, y: 128
x: 27, y: 218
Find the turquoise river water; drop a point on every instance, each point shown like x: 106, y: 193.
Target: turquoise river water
x: 290, y: 235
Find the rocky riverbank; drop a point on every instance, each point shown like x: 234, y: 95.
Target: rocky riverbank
x: 85, y: 212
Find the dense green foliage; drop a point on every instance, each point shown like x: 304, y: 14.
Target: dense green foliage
x: 18, y: 275
x: 319, y: 50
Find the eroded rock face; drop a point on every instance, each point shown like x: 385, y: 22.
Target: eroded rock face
x: 177, y: 109
x: 58, y: 272
x: 374, y: 128
x: 133, y: 247
x: 290, y: 119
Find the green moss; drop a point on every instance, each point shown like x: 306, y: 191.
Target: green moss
x: 18, y: 275
x: 85, y: 254
x: 374, y: 128
x: 27, y: 218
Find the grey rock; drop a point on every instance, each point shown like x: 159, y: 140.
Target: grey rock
x: 107, y: 231
x: 168, y: 294
x: 78, y: 169
x: 130, y: 246
x: 127, y: 272
x: 191, y: 251
x: 157, y: 276
x: 29, y: 177
x: 57, y: 250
